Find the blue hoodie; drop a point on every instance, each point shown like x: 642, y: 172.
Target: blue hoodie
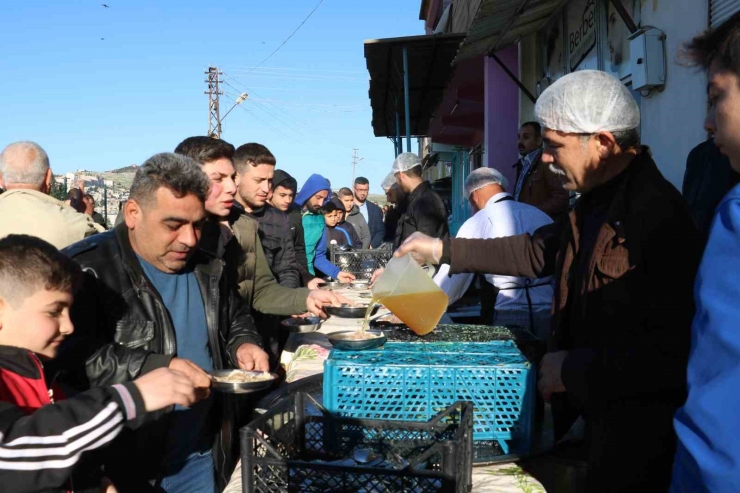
x: 313, y: 185
x: 313, y: 224
x: 708, y: 455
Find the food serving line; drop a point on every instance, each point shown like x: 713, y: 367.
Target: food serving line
x: 305, y: 355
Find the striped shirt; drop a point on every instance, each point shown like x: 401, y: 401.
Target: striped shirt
x: 501, y: 218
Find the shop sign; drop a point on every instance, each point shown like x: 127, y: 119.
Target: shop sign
x: 581, y: 23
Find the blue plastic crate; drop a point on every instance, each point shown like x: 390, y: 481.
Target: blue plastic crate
x: 411, y: 381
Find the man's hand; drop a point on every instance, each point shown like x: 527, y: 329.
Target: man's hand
x: 315, y: 283
x: 551, y: 381
x: 318, y: 298
x: 345, y: 277
x: 164, y: 387
x: 106, y: 486
x: 251, y: 357
x: 195, y: 373
x: 421, y: 246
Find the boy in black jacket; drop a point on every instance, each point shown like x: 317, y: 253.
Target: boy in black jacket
x: 42, y: 435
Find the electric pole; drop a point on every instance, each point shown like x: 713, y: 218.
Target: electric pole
x: 214, y: 112
x: 355, y: 160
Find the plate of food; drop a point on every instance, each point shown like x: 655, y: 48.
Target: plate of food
x: 302, y: 325
x: 241, y: 381
x: 357, y: 340
x: 349, y: 310
x: 359, y: 285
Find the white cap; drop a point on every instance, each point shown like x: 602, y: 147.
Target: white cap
x: 405, y: 161
x: 482, y: 177
x: 587, y: 102
x: 388, y: 181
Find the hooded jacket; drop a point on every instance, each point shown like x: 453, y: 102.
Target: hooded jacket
x: 295, y: 223
x: 313, y: 224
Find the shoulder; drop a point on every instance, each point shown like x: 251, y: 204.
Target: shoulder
x: 99, y: 248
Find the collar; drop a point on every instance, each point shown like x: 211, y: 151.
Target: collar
x: 531, y: 157
x: 497, y: 197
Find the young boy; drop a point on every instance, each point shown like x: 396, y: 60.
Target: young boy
x: 333, y: 213
x: 42, y: 436
x: 337, y: 229
x: 354, y: 217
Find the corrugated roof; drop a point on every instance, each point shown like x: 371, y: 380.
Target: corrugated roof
x: 500, y: 23
x: 430, y: 66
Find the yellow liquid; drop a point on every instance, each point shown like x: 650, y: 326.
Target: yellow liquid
x: 420, y: 311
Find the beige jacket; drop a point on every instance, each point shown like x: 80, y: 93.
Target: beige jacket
x: 34, y: 213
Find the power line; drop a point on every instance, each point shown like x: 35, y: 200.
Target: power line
x: 298, y: 69
x: 291, y: 35
x: 283, y: 76
x: 252, y: 114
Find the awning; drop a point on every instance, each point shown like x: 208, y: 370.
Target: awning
x: 429, y: 60
x: 500, y: 23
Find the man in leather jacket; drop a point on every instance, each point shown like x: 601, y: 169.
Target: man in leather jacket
x: 151, y: 298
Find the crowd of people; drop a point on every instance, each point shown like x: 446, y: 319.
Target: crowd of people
x: 107, y: 337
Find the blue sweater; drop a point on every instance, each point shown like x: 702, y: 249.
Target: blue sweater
x: 322, y: 263
x: 708, y: 454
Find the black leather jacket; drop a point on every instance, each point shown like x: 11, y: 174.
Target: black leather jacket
x: 123, y: 330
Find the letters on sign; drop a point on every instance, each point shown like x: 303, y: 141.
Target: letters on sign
x: 582, y: 23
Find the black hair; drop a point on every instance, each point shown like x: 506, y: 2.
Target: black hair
x: 253, y: 154
x: 535, y: 126
x: 205, y: 149
x: 361, y: 180
x: 721, y: 45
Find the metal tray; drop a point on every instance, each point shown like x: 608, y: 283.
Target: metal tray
x: 346, y: 311
x: 240, y: 388
x: 341, y: 340
x: 333, y: 285
x: 302, y: 325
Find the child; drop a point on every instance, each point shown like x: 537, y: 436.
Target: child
x: 42, y: 435
x: 354, y: 218
x: 333, y: 212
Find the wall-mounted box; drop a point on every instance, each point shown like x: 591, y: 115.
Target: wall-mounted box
x: 647, y: 57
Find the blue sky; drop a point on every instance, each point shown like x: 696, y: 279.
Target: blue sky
x: 104, y: 104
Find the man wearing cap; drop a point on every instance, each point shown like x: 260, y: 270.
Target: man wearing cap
x: 425, y: 211
x: 624, y: 261
x: 505, y: 300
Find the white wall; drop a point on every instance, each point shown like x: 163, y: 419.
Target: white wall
x: 672, y: 120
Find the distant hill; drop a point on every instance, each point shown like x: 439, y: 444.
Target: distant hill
x: 127, y: 169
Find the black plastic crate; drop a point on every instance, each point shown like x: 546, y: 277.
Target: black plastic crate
x: 280, y: 450
x: 361, y: 263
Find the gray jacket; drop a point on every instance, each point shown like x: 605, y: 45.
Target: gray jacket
x: 358, y: 222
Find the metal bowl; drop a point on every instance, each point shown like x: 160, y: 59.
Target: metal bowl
x: 342, y: 340
x: 346, y: 311
x: 332, y: 286
x: 242, y: 387
x: 367, y: 295
x: 359, y: 284
x: 302, y: 325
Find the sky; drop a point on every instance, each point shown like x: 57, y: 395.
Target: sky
x: 102, y: 88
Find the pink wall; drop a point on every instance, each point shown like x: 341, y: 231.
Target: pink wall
x: 501, y: 96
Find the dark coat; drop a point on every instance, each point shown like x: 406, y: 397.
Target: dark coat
x: 295, y: 222
x: 277, y: 243
x: 543, y: 189
x: 628, y: 342
x: 708, y: 178
x: 124, y: 331
x: 375, y: 223
x: 425, y: 212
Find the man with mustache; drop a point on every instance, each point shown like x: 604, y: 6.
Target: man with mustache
x: 624, y: 261
x: 536, y: 183
x: 151, y: 299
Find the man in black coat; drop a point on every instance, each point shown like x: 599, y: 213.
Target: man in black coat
x: 371, y: 212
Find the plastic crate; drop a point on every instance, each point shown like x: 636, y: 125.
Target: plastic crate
x: 413, y: 381
x: 281, y: 447
x: 361, y: 263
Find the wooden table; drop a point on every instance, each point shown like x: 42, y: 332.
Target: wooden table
x: 304, y: 356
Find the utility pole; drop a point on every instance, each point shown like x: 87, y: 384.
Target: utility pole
x: 214, y: 112
x: 105, y: 202
x: 355, y: 160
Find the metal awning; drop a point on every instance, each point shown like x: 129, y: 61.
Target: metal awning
x: 428, y: 61
x: 500, y: 23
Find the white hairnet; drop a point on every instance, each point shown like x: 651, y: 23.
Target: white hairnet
x: 481, y: 177
x: 388, y: 181
x: 587, y: 102
x: 405, y: 161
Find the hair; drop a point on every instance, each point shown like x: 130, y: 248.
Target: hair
x: 252, y: 154
x: 361, y: 180
x: 89, y: 197
x: 74, y: 195
x: 330, y: 207
x: 625, y: 139
x: 721, y: 45
x: 205, y: 149
x: 24, y: 163
x: 345, y: 192
x: 289, y: 184
x: 29, y: 264
x: 178, y: 173
x: 414, y: 172
x: 535, y: 126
